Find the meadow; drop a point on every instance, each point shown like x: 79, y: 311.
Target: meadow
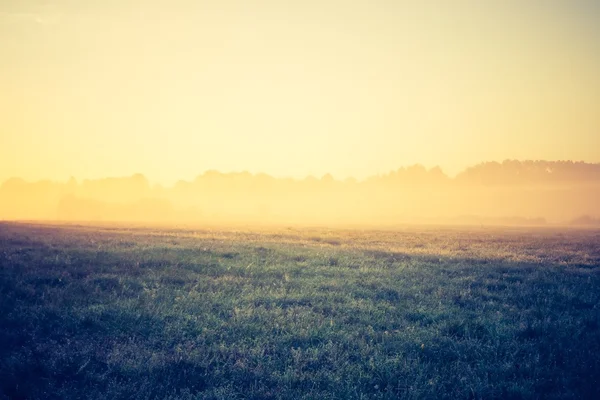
x: 134, y: 312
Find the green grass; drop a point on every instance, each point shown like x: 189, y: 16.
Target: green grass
x: 420, y: 313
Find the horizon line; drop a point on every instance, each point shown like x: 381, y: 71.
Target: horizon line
x: 287, y: 177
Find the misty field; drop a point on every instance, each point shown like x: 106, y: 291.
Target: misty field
x: 117, y: 312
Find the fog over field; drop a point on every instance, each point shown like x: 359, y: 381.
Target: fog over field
x: 508, y: 193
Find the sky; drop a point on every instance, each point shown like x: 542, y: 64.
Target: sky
x: 173, y: 88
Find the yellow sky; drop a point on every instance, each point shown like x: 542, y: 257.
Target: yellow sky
x: 173, y: 88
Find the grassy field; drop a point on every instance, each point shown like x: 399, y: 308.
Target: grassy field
x: 115, y: 312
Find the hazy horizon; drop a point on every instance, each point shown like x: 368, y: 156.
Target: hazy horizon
x: 509, y: 193
x: 191, y: 176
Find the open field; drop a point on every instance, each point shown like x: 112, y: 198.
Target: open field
x: 417, y: 313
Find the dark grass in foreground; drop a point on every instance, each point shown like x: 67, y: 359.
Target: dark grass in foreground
x: 162, y: 314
